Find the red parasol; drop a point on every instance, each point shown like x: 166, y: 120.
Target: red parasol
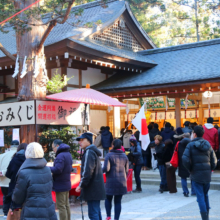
x: 87, y: 96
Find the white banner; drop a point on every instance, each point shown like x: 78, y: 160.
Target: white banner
x: 61, y: 113
x: 17, y: 113
x: 2, y: 138
x: 170, y: 115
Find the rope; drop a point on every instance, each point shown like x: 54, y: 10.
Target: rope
x: 19, y: 12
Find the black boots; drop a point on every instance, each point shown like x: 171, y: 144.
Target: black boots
x: 137, y: 190
x: 205, y: 215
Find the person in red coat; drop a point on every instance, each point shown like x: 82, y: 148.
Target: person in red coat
x: 211, y: 134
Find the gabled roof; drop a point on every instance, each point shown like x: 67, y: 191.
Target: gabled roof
x: 92, y: 13
x: 176, y: 64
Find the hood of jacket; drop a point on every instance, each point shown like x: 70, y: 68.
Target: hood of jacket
x: 35, y: 163
x: 201, y: 144
x: 209, y: 126
x: 154, y: 131
x: 167, y: 130
x: 63, y: 148
x: 106, y: 132
x: 95, y: 149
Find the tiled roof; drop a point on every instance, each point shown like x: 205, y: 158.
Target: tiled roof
x: 114, y: 51
x: 92, y: 13
x: 183, y: 63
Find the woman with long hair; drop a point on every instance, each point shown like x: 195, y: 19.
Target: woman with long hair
x: 116, y: 168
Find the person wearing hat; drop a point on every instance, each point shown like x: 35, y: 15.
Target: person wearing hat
x: 91, y: 185
x: 199, y: 159
x: 4, y: 181
x: 136, y: 152
x: 34, y: 186
x: 211, y: 134
x: 187, y: 129
x: 61, y: 171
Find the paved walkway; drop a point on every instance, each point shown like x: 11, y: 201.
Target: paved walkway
x: 151, y: 205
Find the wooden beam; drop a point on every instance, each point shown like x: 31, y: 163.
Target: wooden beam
x: 5, y: 72
x: 80, y: 78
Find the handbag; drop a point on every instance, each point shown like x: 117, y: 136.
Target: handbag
x: 175, y: 160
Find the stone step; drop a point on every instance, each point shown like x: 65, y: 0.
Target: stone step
x: 156, y: 181
x: 157, y: 176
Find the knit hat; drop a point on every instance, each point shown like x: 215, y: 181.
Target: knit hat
x: 133, y: 139
x: 86, y: 135
x: 34, y: 150
x: 179, y: 131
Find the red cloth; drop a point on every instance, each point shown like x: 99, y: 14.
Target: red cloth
x: 211, y: 135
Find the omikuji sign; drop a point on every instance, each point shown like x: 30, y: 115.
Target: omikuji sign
x: 18, y: 113
x: 42, y: 112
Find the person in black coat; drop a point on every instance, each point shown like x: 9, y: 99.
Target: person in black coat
x: 167, y: 133
x: 199, y: 159
x: 116, y: 168
x: 61, y: 171
x: 91, y: 184
x: 182, y: 171
x: 12, y: 171
x: 106, y: 140
x: 34, y: 186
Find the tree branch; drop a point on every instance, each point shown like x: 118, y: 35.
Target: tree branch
x: 70, y: 5
x: 7, y: 53
x: 46, y: 33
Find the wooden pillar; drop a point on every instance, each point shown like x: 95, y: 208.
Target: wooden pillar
x: 49, y: 73
x: 201, y: 114
x: 178, y: 112
x: 64, y: 73
x: 80, y: 78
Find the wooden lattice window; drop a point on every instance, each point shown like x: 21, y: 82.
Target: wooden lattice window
x: 118, y: 35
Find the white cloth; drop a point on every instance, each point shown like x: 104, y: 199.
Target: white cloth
x: 153, y: 161
x: 4, y: 162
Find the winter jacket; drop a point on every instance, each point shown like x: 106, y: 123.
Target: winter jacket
x: 160, y: 152
x: 33, y: 190
x: 187, y: 129
x: 126, y: 140
x: 4, y: 162
x: 98, y: 141
x: 116, y: 168
x: 61, y: 169
x: 211, y: 135
x: 167, y: 133
x: 199, y: 159
x: 137, y: 153
x: 177, y: 138
x: 106, y: 139
x: 13, y: 168
x: 182, y: 171
x: 92, y: 182
x: 153, y: 132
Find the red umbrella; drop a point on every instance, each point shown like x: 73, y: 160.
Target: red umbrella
x: 87, y: 96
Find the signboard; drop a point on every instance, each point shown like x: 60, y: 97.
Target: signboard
x: 17, y: 113
x: 2, y: 138
x: 61, y: 113
x: 15, y: 134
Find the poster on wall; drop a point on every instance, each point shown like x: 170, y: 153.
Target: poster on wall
x: 61, y: 113
x: 2, y: 138
x: 15, y: 134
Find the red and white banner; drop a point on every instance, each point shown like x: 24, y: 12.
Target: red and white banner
x: 140, y: 123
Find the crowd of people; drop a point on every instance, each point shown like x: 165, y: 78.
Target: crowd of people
x: 27, y: 182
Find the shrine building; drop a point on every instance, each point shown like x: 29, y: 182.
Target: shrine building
x: 108, y: 49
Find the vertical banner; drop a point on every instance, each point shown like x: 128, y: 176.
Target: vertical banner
x: 15, y: 134
x: 2, y: 144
